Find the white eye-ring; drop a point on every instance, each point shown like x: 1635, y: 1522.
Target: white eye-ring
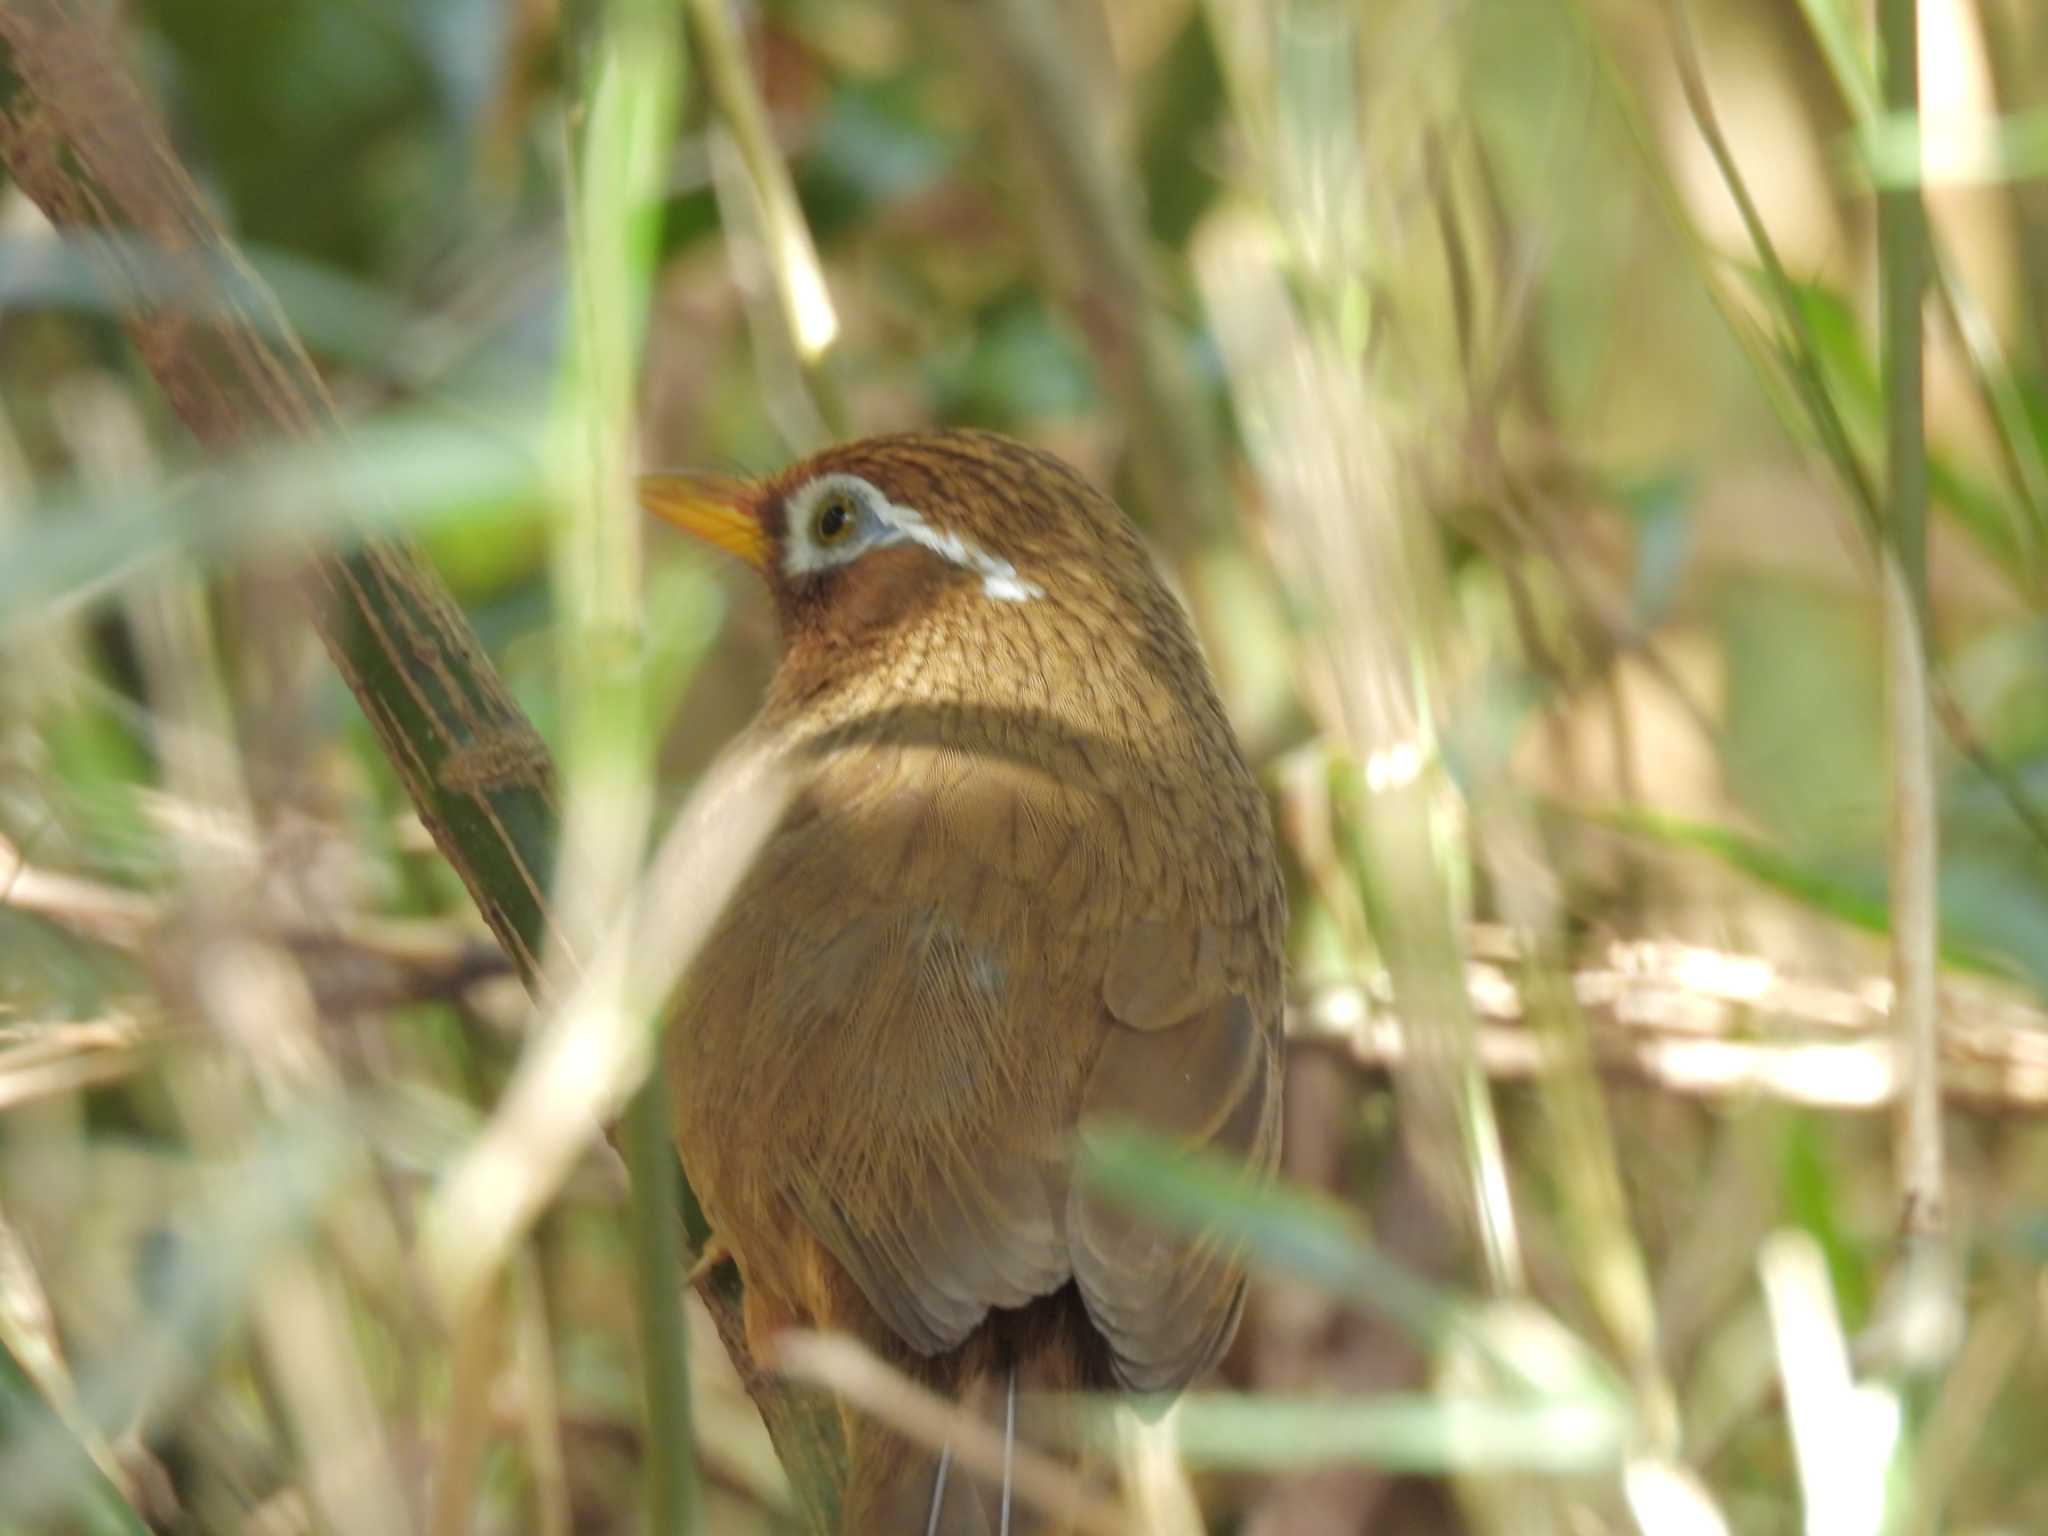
x: 835, y: 519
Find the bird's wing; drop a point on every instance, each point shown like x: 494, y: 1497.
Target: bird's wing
x: 994, y: 939
x: 1193, y: 1063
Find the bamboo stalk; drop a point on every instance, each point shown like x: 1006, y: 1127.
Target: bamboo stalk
x: 84, y: 144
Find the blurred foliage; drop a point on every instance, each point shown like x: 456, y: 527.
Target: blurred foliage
x: 1659, y: 630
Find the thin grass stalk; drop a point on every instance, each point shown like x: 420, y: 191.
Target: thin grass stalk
x: 1902, y: 269
x: 1797, y: 354
x: 756, y: 193
x: 1801, y: 359
x: 626, y: 79
x: 669, y: 1466
x: 2017, y: 51
x: 2002, y: 1337
x: 1094, y: 244
x: 585, y: 1066
x: 1761, y: 352
x: 1797, y: 348
x: 1326, y: 474
x: 546, y: 1465
x: 1611, y: 1267
x: 2019, y: 447
x: 1367, y: 569
x: 1915, y: 909
x: 478, y: 1346
x: 1086, y: 217
x: 32, y: 1366
x: 1832, y: 23
x: 1612, y: 1270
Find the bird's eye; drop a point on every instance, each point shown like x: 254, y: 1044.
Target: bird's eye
x: 832, y: 523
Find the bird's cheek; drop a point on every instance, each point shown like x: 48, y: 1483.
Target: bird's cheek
x: 875, y: 593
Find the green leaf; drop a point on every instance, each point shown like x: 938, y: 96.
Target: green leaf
x: 1989, y: 921
x: 410, y: 469
x: 1179, y: 118
x: 46, y: 1470
x: 1804, y: 883
x: 1288, y: 1231
x: 1403, y: 1432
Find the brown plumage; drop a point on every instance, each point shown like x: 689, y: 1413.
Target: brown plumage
x: 1026, y: 883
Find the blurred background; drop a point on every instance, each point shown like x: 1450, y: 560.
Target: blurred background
x: 1525, y: 503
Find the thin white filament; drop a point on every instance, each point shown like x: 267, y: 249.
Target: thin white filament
x: 931, y: 1524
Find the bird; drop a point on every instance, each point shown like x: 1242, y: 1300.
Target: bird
x: 1025, y: 885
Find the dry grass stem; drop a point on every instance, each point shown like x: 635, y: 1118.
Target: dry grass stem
x: 1914, y: 897
x: 598, y: 1045
x: 768, y: 235
x: 58, y: 1058
x: 1710, y: 1024
x: 1371, y: 577
x: 852, y: 1372
x: 473, y: 1368
x: 1609, y: 1259
x: 540, y: 1402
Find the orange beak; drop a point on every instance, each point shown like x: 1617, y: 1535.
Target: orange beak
x: 716, y: 508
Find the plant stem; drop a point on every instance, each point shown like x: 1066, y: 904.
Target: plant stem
x: 624, y: 66
x: 673, y: 1499
x: 1902, y: 248
x: 811, y: 411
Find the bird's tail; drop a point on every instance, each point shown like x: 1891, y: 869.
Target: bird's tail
x: 1015, y: 1465
x: 969, y: 1510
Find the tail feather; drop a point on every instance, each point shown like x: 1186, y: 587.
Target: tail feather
x: 899, y: 1486
x: 1018, y: 1380
x: 962, y: 1517
x: 1009, y: 1445
x: 931, y: 1524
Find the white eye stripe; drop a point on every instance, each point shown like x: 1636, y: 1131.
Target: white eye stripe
x: 999, y: 578
x: 892, y: 523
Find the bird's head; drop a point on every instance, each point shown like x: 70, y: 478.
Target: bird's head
x: 967, y: 529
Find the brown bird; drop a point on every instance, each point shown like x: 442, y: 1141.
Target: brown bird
x: 1025, y: 884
